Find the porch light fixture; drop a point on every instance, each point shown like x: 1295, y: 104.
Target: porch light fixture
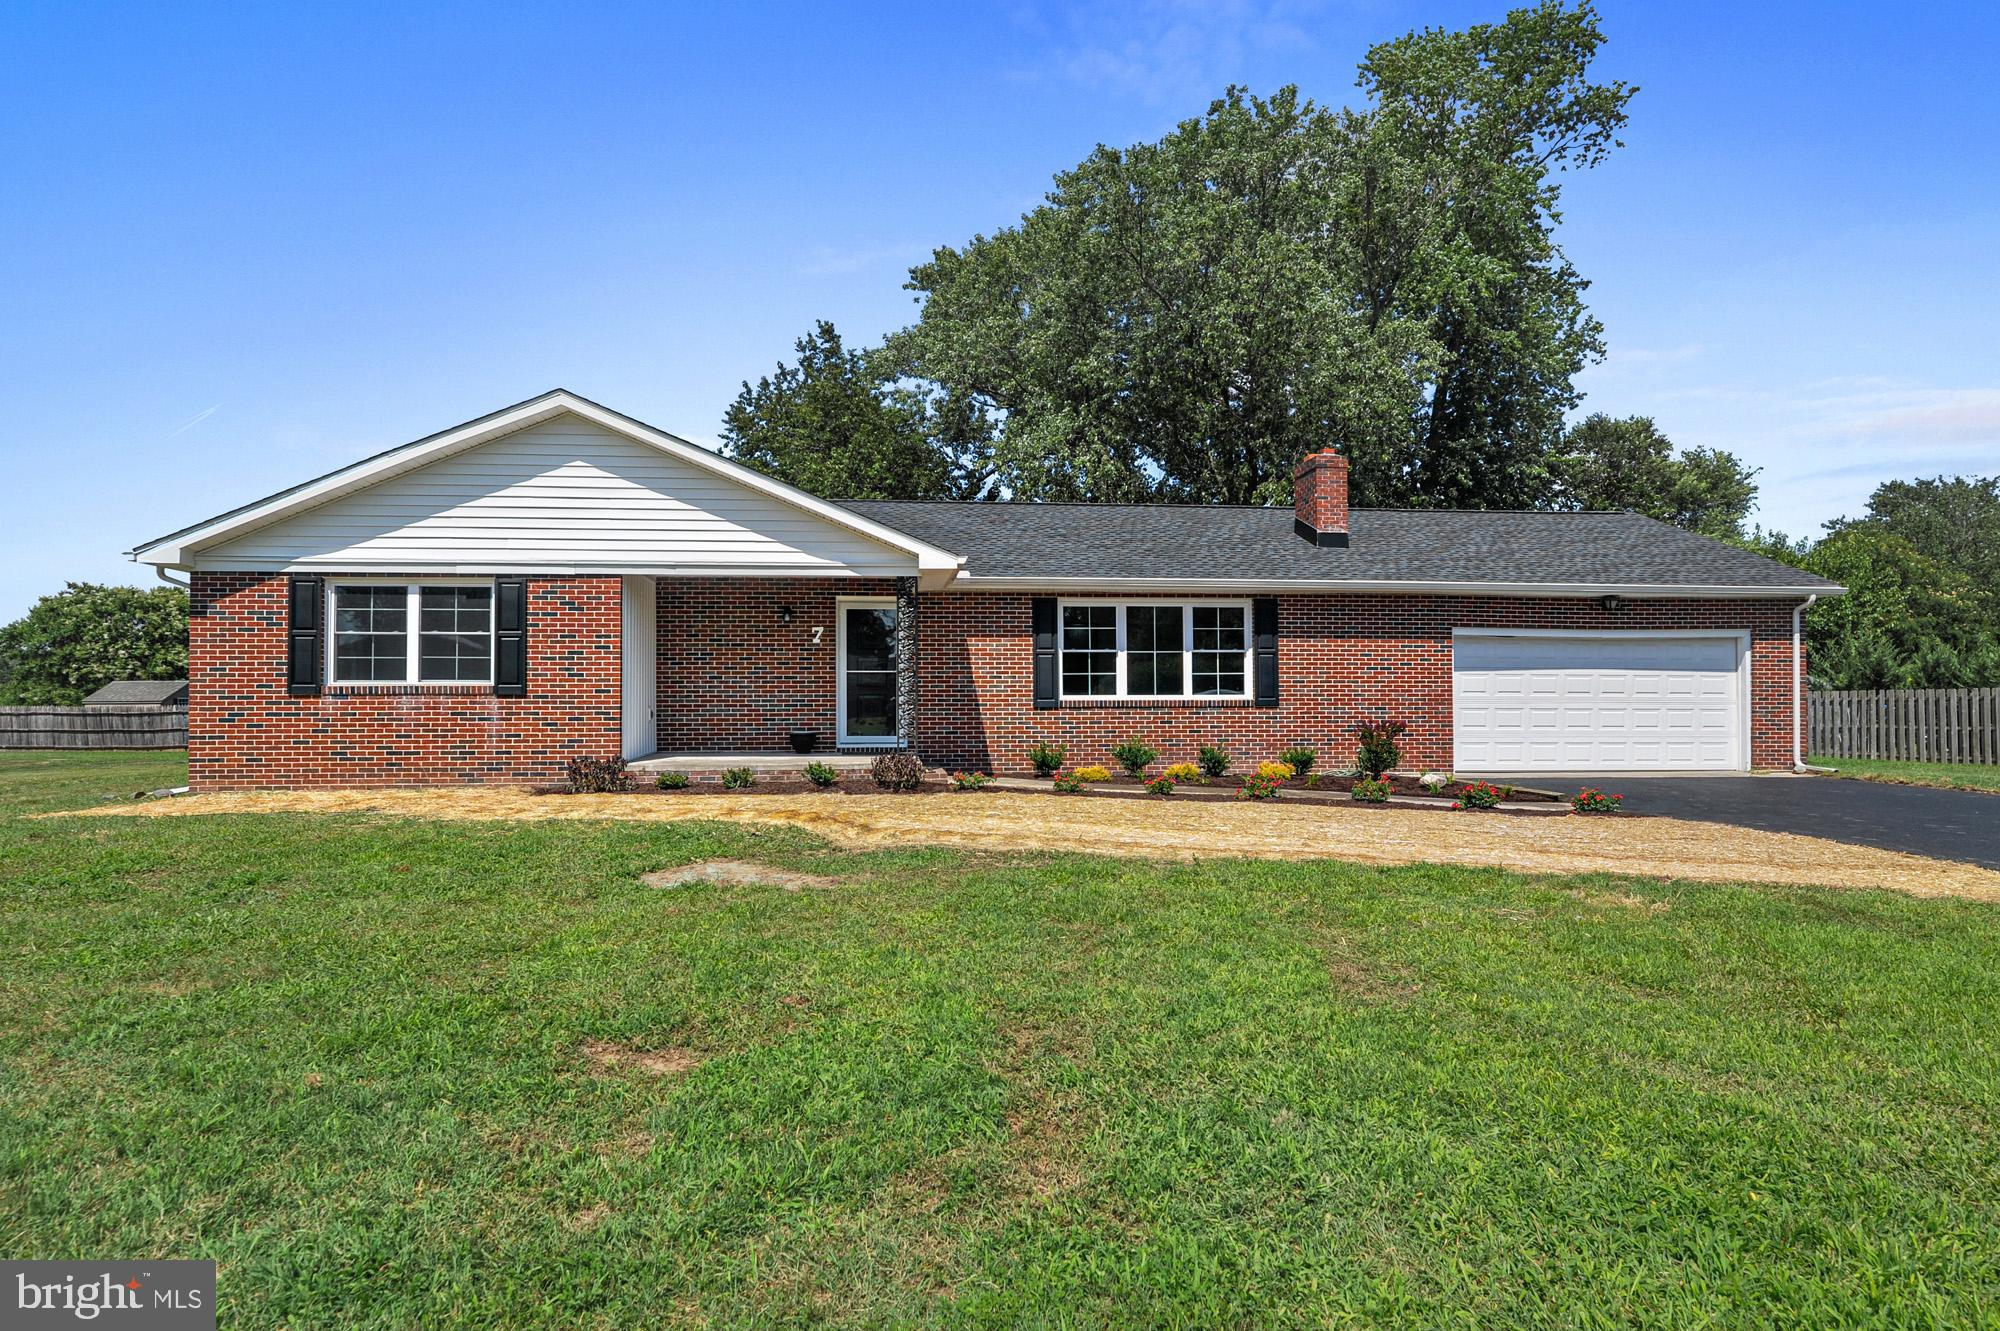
x: 785, y: 615
x: 1612, y: 603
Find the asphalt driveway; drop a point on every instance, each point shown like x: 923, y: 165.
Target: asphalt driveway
x: 1943, y: 824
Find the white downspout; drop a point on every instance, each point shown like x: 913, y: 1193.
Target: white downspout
x: 161, y: 570
x: 1799, y: 763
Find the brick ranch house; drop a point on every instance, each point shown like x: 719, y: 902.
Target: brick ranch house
x: 558, y: 580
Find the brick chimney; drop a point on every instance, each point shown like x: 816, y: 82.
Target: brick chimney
x: 1319, y: 498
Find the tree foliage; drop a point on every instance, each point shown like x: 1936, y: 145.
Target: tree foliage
x: 1608, y: 463
x: 1184, y: 319
x: 75, y: 642
x: 1922, y: 609
x: 837, y: 423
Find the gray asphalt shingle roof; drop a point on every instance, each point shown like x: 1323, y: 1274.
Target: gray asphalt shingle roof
x: 1203, y: 542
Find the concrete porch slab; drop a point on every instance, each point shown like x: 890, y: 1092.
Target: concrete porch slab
x: 766, y: 761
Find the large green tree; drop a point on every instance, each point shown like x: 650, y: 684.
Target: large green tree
x: 1922, y: 609
x: 73, y: 643
x: 1184, y: 319
x: 1607, y: 462
x: 839, y: 423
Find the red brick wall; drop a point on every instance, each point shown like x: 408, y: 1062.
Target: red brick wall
x: 733, y: 676
x: 246, y: 731
x: 1338, y: 657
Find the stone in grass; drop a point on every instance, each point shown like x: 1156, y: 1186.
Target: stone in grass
x: 735, y: 873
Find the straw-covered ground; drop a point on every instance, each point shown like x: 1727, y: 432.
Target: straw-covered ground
x: 1660, y: 847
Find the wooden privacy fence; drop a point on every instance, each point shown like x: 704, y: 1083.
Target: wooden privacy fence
x: 93, y: 727
x: 1913, y: 725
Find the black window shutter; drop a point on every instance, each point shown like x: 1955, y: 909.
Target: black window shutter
x: 1264, y: 649
x: 1044, y: 608
x: 305, y: 666
x: 510, y: 637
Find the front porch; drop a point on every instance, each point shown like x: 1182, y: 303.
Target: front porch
x: 722, y: 672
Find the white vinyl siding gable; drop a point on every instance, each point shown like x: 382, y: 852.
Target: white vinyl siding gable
x: 560, y: 496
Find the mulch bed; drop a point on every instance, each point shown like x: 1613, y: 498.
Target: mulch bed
x: 1226, y: 787
x: 776, y: 785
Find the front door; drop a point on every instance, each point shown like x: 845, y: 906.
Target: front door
x: 867, y: 671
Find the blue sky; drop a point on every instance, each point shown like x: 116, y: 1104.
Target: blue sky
x: 241, y: 247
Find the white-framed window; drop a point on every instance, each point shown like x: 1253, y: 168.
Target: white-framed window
x: 1154, y: 649
x: 397, y: 632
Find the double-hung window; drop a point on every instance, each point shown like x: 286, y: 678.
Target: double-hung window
x: 411, y: 633
x: 1155, y: 649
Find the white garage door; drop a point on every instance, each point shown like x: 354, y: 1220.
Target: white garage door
x: 1591, y: 704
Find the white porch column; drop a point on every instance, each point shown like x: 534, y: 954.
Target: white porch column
x: 906, y: 662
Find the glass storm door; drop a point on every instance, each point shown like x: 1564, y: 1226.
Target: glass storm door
x: 867, y: 672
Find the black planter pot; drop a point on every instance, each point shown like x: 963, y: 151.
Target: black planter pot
x: 804, y: 741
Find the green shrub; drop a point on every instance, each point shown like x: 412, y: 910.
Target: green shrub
x: 898, y: 771
x: 1133, y: 755
x: 821, y: 775
x: 1047, y: 759
x: 1300, y: 758
x: 1370, y: 792
x: 672, y: 781
x: 1161, y: 785
x: 970, y: 780
x: 1592, y: 800
x: 739, y: 778
x: 1069, y: 783
x: 1379, y: 752
x: 596, y: 776
x: 1214, y: 760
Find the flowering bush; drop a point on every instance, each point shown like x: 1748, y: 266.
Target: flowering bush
x: 1592, y: 800
x: 1161, y: 785
x: 1481, y: 795
x: 1068, y: 783
x: 1180, y: 772
x: 1133, y: 755
x: 1259, y: 787
x: 1276, y: 771
x: 970, y: 780
x: 1370, y: 792
x: 1092, y: 773
x: 1214, y: 760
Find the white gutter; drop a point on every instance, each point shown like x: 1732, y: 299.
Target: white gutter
x: 1799, y: 763
x: 161, y: 569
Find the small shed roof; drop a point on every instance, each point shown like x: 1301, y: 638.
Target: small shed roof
x: 140, y: 693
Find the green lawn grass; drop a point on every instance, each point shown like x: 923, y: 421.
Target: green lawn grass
x: 1957, y: 776
x: 345, y: 1057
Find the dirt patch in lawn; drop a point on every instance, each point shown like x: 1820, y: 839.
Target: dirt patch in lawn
x: 1274, y: 829
x: 605, y: 1056
x: 735, y: 873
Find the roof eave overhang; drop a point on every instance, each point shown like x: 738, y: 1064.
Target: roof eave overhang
x: 1634, y: 590
x: 936, y: 567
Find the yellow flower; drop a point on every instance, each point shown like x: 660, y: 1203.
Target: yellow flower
x: 1275, y: 771
x: 1183, y: 772
x: 1093, y: 773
